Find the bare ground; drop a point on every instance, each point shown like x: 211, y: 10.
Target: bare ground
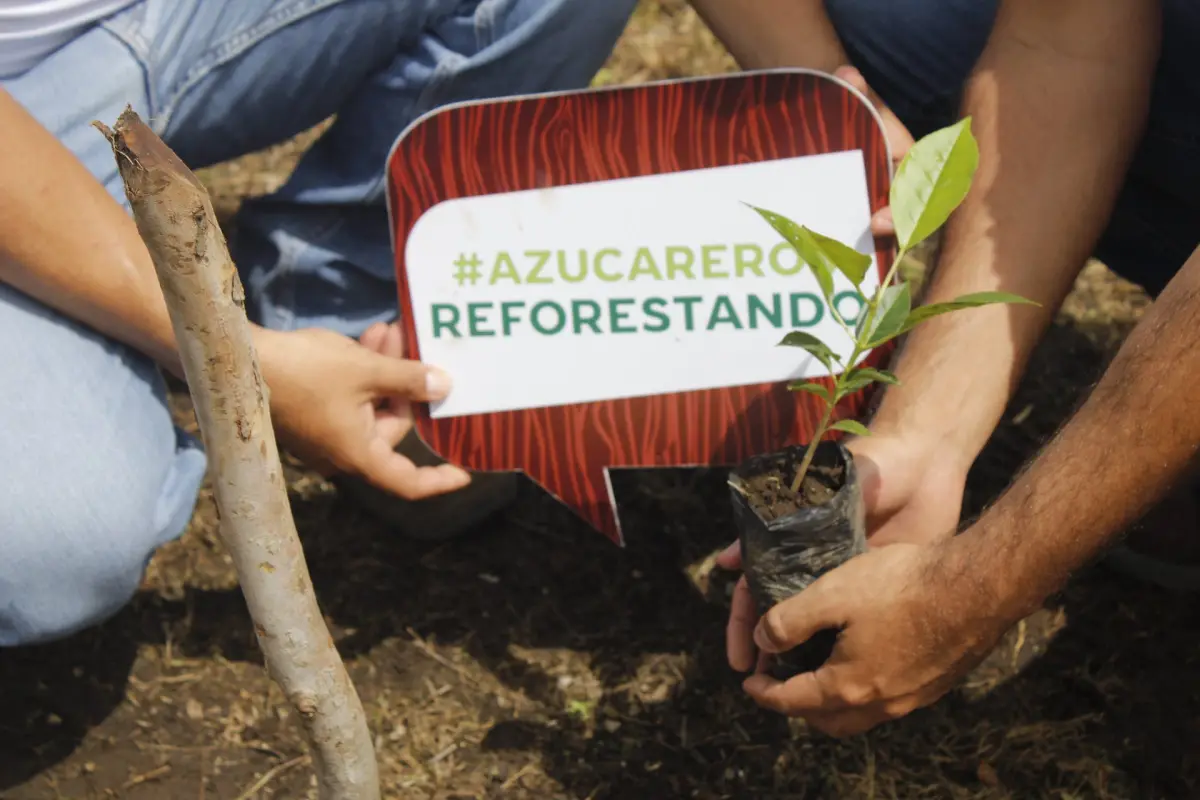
x: 535, y: 660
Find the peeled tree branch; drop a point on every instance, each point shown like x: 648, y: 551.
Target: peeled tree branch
x: 205, y: 299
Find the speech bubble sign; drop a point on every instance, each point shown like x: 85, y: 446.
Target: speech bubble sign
x: 585, y: 266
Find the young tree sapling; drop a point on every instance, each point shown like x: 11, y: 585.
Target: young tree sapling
x: 800, y: 511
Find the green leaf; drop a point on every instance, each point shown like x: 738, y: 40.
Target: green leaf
x: 811, y: 388
x: 822, y: 253
x: 973, y: 300
x: 850, y: 386
x: 931, y: 181
x: 850, y: 262
x: 894, y: 308
x: 801, y: 240
x: 850, y: 426
x: 813, y: 345
x: 863, y: 377
x: 880, y: 375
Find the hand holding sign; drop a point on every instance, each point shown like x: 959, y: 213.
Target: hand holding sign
x: 585, y: 266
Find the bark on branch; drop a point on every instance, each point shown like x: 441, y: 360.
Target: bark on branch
x: 206, y: 301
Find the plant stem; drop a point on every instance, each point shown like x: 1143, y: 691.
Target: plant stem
x: 860, y: 344
x: 812, y: 447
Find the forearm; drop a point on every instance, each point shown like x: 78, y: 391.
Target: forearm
x: 67, y: 243
x: 1058, y: 101
x: 1134, y: 437
x: 768, y: 34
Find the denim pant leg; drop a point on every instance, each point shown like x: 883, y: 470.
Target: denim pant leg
x: 98, y: 476
x: 318, y: 252
x: 917, y: 54
x: 95, y: 475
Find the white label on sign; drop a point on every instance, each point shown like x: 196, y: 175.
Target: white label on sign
x: 632, y: 287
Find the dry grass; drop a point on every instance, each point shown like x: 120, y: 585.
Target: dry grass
x: 536, y: 661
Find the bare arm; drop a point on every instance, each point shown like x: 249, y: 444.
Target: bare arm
x: 1058, y: 99
x: 765, y: 34
x: 1118, y: 456
x: 67, y: 243
x: 914, y: 619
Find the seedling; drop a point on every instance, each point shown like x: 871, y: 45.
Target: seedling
x: 931, y: 182
x: 789, y: 539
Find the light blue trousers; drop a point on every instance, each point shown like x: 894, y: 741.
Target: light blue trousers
x: 95, y: 475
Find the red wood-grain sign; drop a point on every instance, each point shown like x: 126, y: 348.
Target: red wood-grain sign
x: 587, y: 268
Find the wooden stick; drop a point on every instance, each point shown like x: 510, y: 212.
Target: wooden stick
x: 206, y: 302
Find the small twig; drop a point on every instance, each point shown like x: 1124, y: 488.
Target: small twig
x: 147, y: 776
x: 424, y: 647
x: 271, y: 775
x: 521, y: 773
x: 443, y: 755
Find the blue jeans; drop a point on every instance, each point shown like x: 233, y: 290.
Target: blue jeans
x: 96, y: 476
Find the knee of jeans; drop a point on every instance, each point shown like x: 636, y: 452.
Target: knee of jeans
x: 74, y: 560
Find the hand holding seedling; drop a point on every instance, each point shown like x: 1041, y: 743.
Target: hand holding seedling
x: 795, y: 529
x: 908, y: 634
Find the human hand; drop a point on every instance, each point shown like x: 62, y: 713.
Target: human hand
x: 913, y: 494
x: 344, y: 405
x: 912, y: 622
x: 912, y: 490
x: 899, y: 140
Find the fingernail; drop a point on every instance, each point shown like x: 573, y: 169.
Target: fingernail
x: 437, y: 383
x: 761, y: 640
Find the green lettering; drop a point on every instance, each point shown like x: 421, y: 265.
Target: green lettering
x: 779, y: 268
x: 535, y: 318
x: 534, y: 274
x: 664, y: 321
x: 450, y: 324
x: 858, y: 302
x: 477, y: 319
x: 504, y: 268
x: 709, y: 261
x: 688, y: 304
x: 580, y: 320
x: 743, y: 265
x: 818, y: 312
x: 562, y: 268
x: 643, y: 256
x: 600, y: 273
x: 674, y: 266
x: 723, y: 314
x: 618, y: 315
x: 774, y: 316
x: 506, y: 319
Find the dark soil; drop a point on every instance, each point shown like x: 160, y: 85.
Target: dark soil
x: 770, y: 493
x: 534, y: 659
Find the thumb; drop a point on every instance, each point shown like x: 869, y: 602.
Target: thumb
x: 411, y: 379
x: 797, y: 619
x: 731, y: 557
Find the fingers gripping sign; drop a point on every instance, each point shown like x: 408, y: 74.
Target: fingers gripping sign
x: 343, y: 405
